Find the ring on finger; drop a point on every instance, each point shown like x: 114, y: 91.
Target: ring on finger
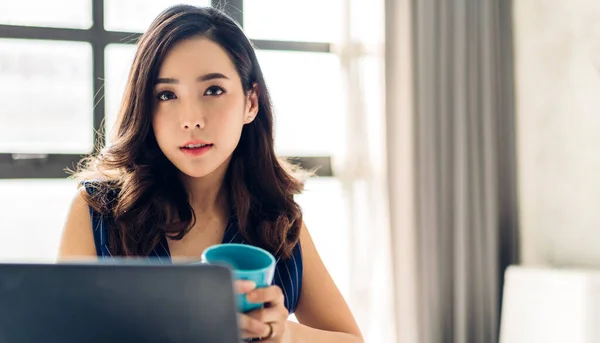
x: 271, y: 334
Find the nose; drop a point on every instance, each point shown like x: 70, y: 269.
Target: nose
x: 192, y: 118
x: 197, y: 124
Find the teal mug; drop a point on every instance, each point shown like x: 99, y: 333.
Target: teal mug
x: 248, y: 263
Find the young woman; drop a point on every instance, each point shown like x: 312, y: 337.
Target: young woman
x: 192, y: 164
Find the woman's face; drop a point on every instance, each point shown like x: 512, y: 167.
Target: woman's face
x: 200, y: 107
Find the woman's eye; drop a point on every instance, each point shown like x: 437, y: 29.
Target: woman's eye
x: 214, y: 91
x: 165, y: 96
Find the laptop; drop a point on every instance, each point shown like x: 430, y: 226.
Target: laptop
x: 117, y: 302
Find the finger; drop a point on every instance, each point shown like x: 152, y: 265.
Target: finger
x: 244, y: 286
x: 251, y: 327
x: 270, y: 314
x: 271, y: 295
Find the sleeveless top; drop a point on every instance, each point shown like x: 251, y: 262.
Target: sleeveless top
x: 288, y: 272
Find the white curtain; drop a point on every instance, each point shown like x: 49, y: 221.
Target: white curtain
x: 362, y: 169
x: 451, y: 165
x: 400, y: 145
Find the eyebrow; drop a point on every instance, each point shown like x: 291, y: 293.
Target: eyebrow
x: 202, y: 78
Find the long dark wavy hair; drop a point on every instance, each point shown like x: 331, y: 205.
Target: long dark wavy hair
x: 138, y: 190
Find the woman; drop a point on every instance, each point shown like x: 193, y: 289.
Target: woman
x: 192, y: 164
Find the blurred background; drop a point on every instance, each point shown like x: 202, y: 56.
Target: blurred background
x: 453, y: 138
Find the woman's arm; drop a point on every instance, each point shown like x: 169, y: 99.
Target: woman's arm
x: 322, y: 311
x: 299, y: 333
x: 77, y: 239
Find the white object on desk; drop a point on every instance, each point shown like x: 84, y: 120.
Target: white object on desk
x: 550, y: 306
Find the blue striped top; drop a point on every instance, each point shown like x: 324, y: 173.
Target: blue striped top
x: 288, y: 272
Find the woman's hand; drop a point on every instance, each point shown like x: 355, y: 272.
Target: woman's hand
x: 268, y: 323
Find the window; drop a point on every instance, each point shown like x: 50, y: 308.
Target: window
x: 312, y: 102
x: 33, y: 212
x: 301, y: 21
x: 119, y: 58
x: 63, y: 78
x: 47, y: 13
x: 136, y: 15
x: 46, y: 96
x: 47, y: 125
x: 325, y: 207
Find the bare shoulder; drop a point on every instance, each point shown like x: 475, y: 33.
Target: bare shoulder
x: 321, y: 304
x: 77, y: 240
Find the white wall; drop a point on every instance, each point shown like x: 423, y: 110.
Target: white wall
x: 558, y: 118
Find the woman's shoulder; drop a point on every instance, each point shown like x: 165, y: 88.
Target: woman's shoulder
x: 77, y: 238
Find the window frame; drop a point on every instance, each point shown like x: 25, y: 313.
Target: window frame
x: 53, y: 166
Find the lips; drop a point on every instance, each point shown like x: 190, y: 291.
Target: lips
x: 195, y: 144
x: 196, y: 148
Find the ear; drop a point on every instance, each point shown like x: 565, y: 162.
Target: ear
x: 251, y: 104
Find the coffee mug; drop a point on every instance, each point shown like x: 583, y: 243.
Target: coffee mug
x: 247, y: 263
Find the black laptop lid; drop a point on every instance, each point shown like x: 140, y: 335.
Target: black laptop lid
x: 116, y: 303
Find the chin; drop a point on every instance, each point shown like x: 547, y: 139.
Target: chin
x: 202, y: 170
x: 197, y: 173
x: 197, y: 169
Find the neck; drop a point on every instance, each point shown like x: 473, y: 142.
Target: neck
x: 208, y: 195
